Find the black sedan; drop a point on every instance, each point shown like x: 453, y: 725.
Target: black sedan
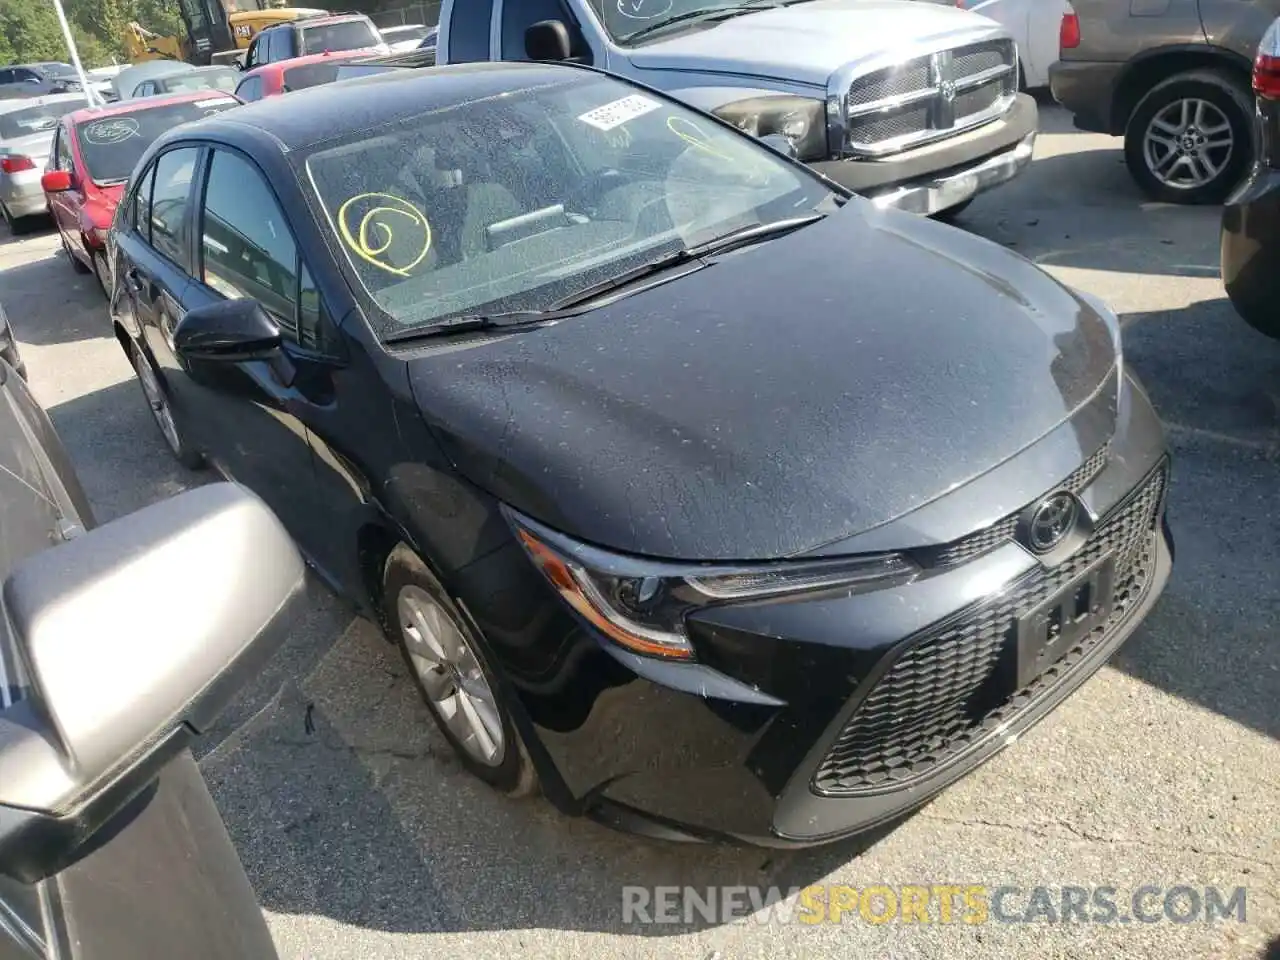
x: 715, y: 500
x: 1251, y: 217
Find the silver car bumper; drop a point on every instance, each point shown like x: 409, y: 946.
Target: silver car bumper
x: 932, y: 194
x: 22, y: 194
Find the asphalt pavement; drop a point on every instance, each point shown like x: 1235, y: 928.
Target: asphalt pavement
x: 365, y: 840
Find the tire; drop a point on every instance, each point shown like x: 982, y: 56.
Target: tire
x: 100, y: 271
x: 17, y: 225
x: 76, y: 265
x: 950, y: 214
x: 1173, y: 143
x: 424, y: 621
x: 158, y: 401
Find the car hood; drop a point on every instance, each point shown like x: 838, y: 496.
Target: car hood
x: 807, y: 42
x: 789, y: 395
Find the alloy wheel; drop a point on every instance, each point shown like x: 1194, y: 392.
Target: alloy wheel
x: 156, y: 400
x: 451, y: 675
x: 1188, y: 144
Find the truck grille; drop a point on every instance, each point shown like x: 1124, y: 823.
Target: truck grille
x: 930, y: 97
x: 948, y: 690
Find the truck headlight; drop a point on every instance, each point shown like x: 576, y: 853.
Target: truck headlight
x: 801, y: 120
x: 641, y: 604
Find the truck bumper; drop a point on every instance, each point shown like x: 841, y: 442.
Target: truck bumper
x: 941, y: 175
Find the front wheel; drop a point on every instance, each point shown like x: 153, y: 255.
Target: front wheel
x: 158, y: 402
x: 76, y: 265
x: 448, y: 664
x: 1190, y: 140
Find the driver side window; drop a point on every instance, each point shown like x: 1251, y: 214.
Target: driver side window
x: 62, y: 152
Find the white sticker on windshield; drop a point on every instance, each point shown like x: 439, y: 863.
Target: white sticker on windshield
x: 643, y: 9
x: 619, y: 112
x: 215, y: 102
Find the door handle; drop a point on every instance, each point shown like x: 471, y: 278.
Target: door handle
x: 131, y: 281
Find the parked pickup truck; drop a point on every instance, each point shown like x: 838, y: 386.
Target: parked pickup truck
x: 914, y: 105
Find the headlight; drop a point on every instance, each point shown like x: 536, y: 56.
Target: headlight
x: 641, y: 605
x: 799, y: 119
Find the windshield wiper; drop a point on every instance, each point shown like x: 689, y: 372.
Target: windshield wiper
x: 626, y: 278
x: 469, y: 322
x: 749, y: 234
x: 702, y: 13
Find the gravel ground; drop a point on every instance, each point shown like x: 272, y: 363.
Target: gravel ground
x: 364, y: 839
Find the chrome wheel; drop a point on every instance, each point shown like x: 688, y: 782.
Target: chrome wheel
x: 451, y: 675
x: 156, y: 401
x: 1188, y: 144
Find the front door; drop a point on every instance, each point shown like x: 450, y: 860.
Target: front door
x: 250, y: 415
x: 65, y: 207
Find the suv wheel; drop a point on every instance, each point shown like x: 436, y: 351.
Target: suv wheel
x: 447, y: 661
x: 1190, y: 140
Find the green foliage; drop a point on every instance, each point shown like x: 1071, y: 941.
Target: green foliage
x: 29, y: 29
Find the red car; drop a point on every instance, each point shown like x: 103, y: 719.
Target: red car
x: 272, y: 79
x: 94, y: 152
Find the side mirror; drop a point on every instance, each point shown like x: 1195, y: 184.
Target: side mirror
x: 130, y: 640
x: 780, y: 144
x: 231, y: 331
x: 548, y: 40
x: 56, y: 181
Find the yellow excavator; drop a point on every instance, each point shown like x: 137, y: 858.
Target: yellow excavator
x: 217, y: 31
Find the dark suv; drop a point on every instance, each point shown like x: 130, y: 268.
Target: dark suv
x: 298, y: 38
x: 1172, y: 78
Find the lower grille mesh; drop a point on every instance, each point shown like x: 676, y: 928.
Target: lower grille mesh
x: 949, y: 690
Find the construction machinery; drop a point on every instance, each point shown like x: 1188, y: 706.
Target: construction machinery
x: 217, y: 31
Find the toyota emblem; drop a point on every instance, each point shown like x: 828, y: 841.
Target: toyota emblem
x: 1053, y: 518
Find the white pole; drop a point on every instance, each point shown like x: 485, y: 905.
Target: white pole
x: 90, y: 94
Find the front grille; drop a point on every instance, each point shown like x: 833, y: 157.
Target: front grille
x: 1002, y: 531
x: 949, y: 689
x: 929, y: 97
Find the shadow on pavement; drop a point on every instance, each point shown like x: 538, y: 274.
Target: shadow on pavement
x: 1216, y: 384
x: 363, y: 787
x: 70, y: 306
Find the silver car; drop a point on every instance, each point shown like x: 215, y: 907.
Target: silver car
x: 26, y: 136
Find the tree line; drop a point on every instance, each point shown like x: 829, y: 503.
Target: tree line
x: 29, y: 30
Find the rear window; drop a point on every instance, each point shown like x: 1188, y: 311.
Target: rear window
x: 224, y: 80
x: 309, y: 75
x: 32, y: 120
x: 343, y: 35
x: 112, y: 146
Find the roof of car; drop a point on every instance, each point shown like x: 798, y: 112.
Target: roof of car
x: 279, y: 66
x: 147, y: 103
x: 313, y: 21
x: 9, y: 106
x: 334, y: 111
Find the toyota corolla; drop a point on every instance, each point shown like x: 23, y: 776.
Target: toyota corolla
x: 710, y: 498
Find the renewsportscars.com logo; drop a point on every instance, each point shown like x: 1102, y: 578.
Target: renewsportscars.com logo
x: 934, y: 903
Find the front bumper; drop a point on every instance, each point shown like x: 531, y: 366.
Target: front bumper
x: 739, y: 745
x: 940, y: 175
x: 1250, y: 244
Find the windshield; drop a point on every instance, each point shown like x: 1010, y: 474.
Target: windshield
x: 58, y: 70
x: 32, y: 120
x: 343, y: 35
x: 623, y: 18
x: 111, y: 146
x: 315, y: 74
x: 402, y: 34
x: 204, y: 80
x: 522, y: 200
